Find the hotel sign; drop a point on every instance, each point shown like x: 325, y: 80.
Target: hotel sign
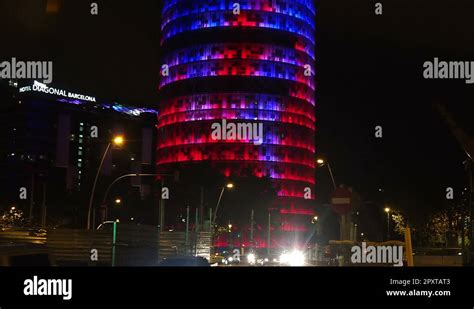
x: 39, y: 87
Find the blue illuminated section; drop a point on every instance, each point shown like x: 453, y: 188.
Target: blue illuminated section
x: 131, y: 111
x: 250, y: 68
x: 258, y: 4
x: 119, y: 108
x: 205, y: 52
x: 71, y: 101
x: 253, y: 19
x: 285, y: 7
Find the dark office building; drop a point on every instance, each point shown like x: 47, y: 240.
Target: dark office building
x: 51, y: 144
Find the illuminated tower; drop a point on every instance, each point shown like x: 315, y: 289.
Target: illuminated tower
x: 242, y: 61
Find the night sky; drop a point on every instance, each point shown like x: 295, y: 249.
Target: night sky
x: 369, y: 73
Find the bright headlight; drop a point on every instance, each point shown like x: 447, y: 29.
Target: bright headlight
x: 284, y: 258
x: 296, y: 258
x: 251, y: 258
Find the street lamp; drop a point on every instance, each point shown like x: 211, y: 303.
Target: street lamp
x: 118, y: 201
x: 314, y: 220
x: 117, y: 141
x: 322, y: 162
x: 104, y: 200
x: 228, y: 186
x: 387, y: 210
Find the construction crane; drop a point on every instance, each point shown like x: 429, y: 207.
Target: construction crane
x: 467, y: 143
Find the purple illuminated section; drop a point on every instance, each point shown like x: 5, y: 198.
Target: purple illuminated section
x: 240, y: 114
x: 253, y: 51
x: 248, y: 19
x: 250, y: 68
x: 300, y: 10
x: 128, y: 110
x: 69, y: 101
x: 247, y: 4
x: 244, y: 101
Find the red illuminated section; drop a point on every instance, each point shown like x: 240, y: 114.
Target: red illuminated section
x: 239, y: 101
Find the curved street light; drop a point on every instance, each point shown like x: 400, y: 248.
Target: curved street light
x: 322, y: 162
x: 228, y: 186
x: 104, y: 200
x: 117, y: 141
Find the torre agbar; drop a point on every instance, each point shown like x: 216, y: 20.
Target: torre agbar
x: 242, y: 61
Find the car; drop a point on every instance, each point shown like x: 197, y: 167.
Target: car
x: 25, y: 255
x: 231, y: 259
x: 217, y: 258
x: 184, y: 261
x: 271, y: 260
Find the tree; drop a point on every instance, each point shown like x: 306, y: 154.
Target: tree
x: 13, y: 217
x: 446, y: 227
x: 400, y: 223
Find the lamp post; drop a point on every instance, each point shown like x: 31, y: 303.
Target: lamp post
x: 228, y: 186
x: 269, y: 239
x: 104, y: 200
x: 387, y: 210
x: 322, y: 162
x: 117, y: 141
